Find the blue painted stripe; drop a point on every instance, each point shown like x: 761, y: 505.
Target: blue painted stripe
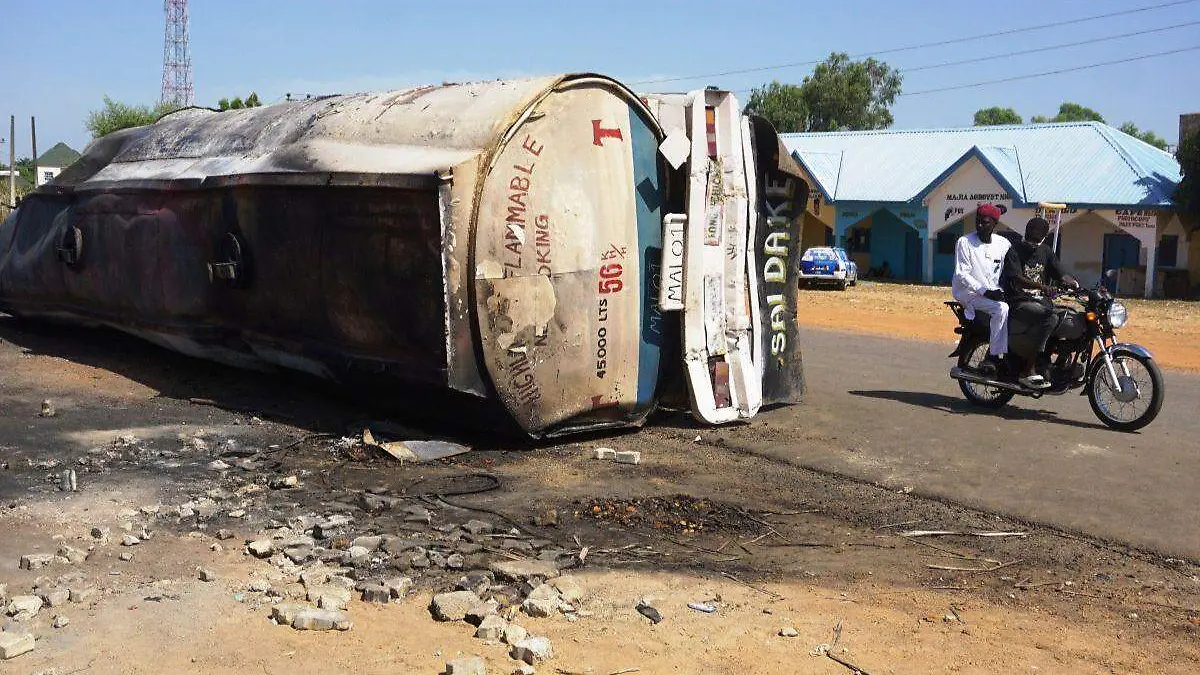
x: 648, y: 196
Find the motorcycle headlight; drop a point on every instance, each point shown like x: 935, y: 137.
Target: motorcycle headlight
x: 1117, y: 315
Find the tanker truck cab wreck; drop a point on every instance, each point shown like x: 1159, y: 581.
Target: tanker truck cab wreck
x: 540, y: 247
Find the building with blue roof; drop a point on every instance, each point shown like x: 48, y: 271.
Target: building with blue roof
x: 905, y: 196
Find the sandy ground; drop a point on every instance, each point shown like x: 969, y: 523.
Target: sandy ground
x: 817, y: 551
x: 1168, y: 328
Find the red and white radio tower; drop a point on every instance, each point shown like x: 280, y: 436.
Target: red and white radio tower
x: 177, y: 59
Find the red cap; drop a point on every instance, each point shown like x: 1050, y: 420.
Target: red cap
x: 988, y: 210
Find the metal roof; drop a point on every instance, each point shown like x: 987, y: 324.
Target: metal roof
x: 1078, y: 163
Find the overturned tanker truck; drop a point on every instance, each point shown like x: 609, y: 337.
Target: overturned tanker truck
x: 556, y: 250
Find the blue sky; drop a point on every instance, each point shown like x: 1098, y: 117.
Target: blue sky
x: 64, y: 56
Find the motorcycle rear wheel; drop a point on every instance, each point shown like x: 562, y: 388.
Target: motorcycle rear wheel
x: 1135, y: 374
x: 978, y: 394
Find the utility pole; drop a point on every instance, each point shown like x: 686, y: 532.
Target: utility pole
x: 12, y: 160
x: 33, y: 135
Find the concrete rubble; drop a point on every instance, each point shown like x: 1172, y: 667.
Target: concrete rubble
x: 15, y: 643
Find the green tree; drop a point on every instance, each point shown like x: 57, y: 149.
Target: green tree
x: 237, y: 103
x: 850, y: 95
x: 1187, y: 195
x: 840, y: 94
x: 780, y: 104
x: 1073, y: 112
x: 25, y: 168
x: 995, y: 115
x: 1039, y: 119
x: 116, y: 115
x: 1146, y: 136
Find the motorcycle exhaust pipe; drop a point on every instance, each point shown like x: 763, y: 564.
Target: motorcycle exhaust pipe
x: 967, y: 376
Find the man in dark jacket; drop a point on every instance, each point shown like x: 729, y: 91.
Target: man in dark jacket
x: 1030, y: 267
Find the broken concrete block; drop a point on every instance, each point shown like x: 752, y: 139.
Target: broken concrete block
x: 263, y: 548
x: 524, y: 669
x: 523, y: 570
x: 376, y: 593
x: 478, y: 527
x: 72, y: 554
x: 542, y: 601
x: 14, y: 644
x: 788, y: 631
x: 126, y: 556
x: 628, y: 457
x: 330, y: 597
x: 455, y: 561
x: 568, y: 586
x: 36, y: 561
x: 357, y: 556
x: 603, y: 453
x: 491, y: 628
x: 371, y: 543
x: 57, y: 597
x: 470, y: 665
x: 513, y: 634
x: 284, y: 482
x: 130, y: 540
x: 60, y: 621
x: 285, y: 612
x: 398, y: 587
x: 481, y: 611
x: 24, y: 604
x: 309, y: 618
x: 206, y: 575
x: 532, y: 650
x: 453, y: 606
x: 82, y: 593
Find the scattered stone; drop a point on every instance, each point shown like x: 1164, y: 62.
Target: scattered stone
x: 523, y: 570
x: 491, y: 628
x: 647, y: 610
x: 285, y: 613
x: 218, y: 465
x: 513, y: 634
x: 533, y: 650
x: 130, y: 540
x: 28, y: 605
x: 216, y: 548
x: 568, y: 586
x: 603, y: 453
x: 437, y: 559
x: 237, y: 513
x: 542, y: 602
x: 455, y: 561
x: 126, y: 556
x: 476, y: 582
x: 14, y: 644
x: 419, y: 562
x: 82, y: 594
x: 36, y: 561
x: 468, y: 548
x: 224, y: 534
x: 788, y: 631
x: 398, y: 587
x: 60, y: 621
x: 470, y: 665
x: 310, y: 618
x: 371, y: 543
x: 259, y: 586
x: 299, y: 554
x: 72, y: 554
x: 57, y: 597
x: 314, y: 576
x: 476, y: 615
x: 376, y: 593
x: 546, y: 518
x: 357, y: 556
x: 47, y: 409
x: 524, y: 669
x: 453, y: 606
x: 284, y: 482
x: 206, y: 575
x: 628, y: 457
x: 263, y: 548
x: 330, y: 597
x: 478, y: 527
x: 418, y: 514
x: 100, y: 533
x: 68, y: 482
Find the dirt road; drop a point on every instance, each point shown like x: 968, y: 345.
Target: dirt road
x: 706, y: 517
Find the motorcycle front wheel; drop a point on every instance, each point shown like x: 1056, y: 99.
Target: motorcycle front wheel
x: 979, y: 394
x: 1134, y: 400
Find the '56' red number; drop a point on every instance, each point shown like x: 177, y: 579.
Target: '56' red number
x: 610, y: 278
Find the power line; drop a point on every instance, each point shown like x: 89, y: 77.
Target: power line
x: 1050, y: 72
x: 1046, y: 49
x: 926, y: 45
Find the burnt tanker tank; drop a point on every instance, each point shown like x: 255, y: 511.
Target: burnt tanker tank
x: 502, y: 239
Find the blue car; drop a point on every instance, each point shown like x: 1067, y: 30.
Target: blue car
x: 827, y: 265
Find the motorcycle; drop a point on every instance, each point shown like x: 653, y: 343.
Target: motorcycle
x: 1121, y: 380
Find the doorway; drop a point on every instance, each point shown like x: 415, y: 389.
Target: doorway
x: 1120, y: 250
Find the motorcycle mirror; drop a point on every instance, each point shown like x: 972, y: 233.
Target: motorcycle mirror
x: 1110, y: 274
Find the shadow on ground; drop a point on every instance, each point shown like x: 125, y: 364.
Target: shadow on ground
x: 958, y: 406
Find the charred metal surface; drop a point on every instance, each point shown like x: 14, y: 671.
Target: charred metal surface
x: 782, y: 194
